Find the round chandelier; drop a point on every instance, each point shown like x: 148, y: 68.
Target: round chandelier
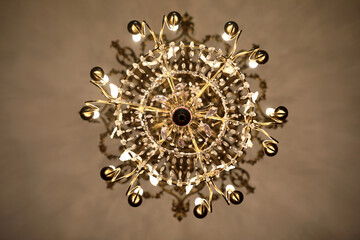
x: 183, y: 116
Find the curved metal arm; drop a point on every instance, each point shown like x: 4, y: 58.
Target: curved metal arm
x: 107, y: 95
x: 220, y: 192
x: 235, y: 44
x: 208, y: 204
x: 164, y: 22
x: 90, y: 103
x: 266, y: 134
x: 131, y: 190
x: 143, y: 35
x: 252, y: 53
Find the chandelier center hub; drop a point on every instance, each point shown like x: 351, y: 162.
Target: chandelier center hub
x: 181, y: 116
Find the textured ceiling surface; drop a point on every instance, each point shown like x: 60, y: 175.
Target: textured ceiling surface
x: 49, y: 174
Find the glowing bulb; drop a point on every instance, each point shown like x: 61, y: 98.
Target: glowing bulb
x: 230, y: 188
x: 202, y: 57
x: 154, y: 181
x: 198, y: 201
x: 125, y: 156
x: 226, y: 37
x: 188, y: 188
x: 139, y: 190
x: 253, y: 64
x: 136, y: 37
x: 269, y: 111
x: 192, y: 180
x: 96, y: 115
x: 105, y: 79
x: 255, y: 96
x: 174, y: 28
x: 113, y: 133
x: 114, y: 90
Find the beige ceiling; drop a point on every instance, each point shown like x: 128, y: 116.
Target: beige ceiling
x: 50, y: 188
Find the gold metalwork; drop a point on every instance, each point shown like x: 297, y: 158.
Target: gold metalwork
x: 212, y: 172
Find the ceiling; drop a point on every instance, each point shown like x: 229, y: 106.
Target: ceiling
x: 49, y: 174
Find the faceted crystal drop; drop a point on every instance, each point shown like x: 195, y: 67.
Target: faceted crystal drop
x: 207, y: 130
x: 163, y: 132
x: 160, y: 98
x: 211, y: 112
x: 181, y: 143
x: 180, y: 86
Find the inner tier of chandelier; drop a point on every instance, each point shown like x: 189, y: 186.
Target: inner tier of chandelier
x: 185, y: 113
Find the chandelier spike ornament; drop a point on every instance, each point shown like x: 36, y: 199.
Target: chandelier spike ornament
x: 183, y: 117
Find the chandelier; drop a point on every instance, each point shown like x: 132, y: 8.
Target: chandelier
x: 182, y: 116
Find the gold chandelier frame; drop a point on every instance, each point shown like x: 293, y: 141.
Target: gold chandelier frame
x: 109, y: 112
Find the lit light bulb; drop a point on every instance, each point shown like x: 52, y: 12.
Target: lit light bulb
x: 174, y: 28
x: 255, y: 96
x: 198, y: 201
x: 113, y: 133
x: 139, y: 190
x: 154, y: 181
x: 230, y: 188
x: 136, y: 37
x: 188, y: 188
x: 230, y: 167
x: 226, y: 37
x: 105, y: 79
x: 114, y: 90
x: 253, y: 64
x: 125, y: 156
x: 96, y: 115
x: 270, y: 111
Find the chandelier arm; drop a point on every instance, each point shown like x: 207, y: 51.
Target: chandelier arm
x: 142, y: 32
x: 235, y: 44
x: 131, y: 190
x: 103, y: 91
x: 200, y: 159
x: 214, y: 118
x: 252, y: 52
x: 164, y: 22
x: 139, y: 107
x: 90, y: 103
x: 266, y: 134
x: 198, y: 151
x: 207, y: 204
x: 268, y: 123
x: 169, y: 78
x: 115, y: 173
x: 220, y: 192
x: 276, y: 120
x: 154, y: 109
x: 125, y: 176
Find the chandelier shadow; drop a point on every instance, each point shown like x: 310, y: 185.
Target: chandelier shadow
x: 183, y: 116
